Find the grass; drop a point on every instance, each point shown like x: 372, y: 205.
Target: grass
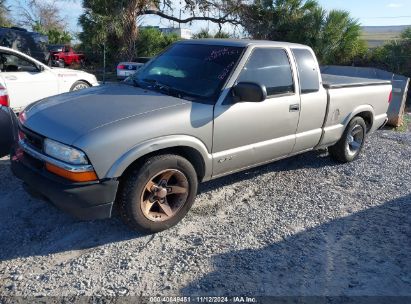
x: 406, y: 121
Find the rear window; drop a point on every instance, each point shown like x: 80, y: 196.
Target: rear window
x: 269, y: 67
x: 307, y: 71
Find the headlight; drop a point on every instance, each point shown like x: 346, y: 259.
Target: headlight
x: 64, y: 153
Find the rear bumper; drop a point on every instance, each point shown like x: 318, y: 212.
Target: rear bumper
x: 123, y: 74
x: 89, y: 201
x: 379, y: 122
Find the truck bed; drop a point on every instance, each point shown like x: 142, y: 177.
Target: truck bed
x: 336, y: 81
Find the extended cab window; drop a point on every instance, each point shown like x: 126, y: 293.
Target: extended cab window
x: 13, y: 63
x: 269, y: 67
x: 307, y: 71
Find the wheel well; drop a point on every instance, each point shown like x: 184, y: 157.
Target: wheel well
x: 85, y: 81
x: 368, y: 118
x: 191, y: 154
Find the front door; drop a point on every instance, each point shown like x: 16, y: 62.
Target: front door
x: 25, y: 82
x: 251, y: 133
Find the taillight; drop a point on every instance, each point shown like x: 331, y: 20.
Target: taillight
x: 121, y: 67
x: 4, y: 97
x: 390, y: 97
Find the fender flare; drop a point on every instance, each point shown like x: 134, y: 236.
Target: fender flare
x: 160, y: 143
x: 358, y: 110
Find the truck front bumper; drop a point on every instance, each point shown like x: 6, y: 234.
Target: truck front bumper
x: 86, y: 201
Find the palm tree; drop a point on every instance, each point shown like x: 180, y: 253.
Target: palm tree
x: 334, y: 35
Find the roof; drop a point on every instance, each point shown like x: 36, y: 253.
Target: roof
x: 240, y: 42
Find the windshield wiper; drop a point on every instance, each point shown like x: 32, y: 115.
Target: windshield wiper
x: 136, y: 83
x: 164, y: 88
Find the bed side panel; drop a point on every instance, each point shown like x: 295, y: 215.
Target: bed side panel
x: 345, y: 103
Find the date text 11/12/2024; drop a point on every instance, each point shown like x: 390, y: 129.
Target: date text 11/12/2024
x: 199, y: 299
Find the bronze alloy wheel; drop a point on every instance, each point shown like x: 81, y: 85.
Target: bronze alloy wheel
x: 164, y: 195
x: 157, y: 193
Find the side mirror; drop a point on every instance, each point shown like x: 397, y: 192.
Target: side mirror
x: 41, y: 68
x: 249, y: 91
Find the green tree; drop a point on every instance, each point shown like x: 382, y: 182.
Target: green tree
x: 334, y: 35
x: 205, y: 33
x: 152, y: 41
x: 55, y: 35
x: 114, y: 23
x: 394, y: 56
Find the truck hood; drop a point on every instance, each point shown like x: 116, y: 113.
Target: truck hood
x: 68, y: 116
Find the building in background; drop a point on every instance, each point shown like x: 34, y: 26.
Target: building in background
x: 180, y: 32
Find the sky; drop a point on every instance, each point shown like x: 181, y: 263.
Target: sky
x: 368, y: 12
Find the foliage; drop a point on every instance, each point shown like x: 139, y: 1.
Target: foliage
x: 334, y: 35
x: 115, y: 23
x: 152, y: 41
x: 4, y: 14
x: 394, y: 56
x: 55, y: 35
x: 104, y: 23
x: 205, y: 33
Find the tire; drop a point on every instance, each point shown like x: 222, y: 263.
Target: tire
x: 351, y: 143
x: 79, y: 85
x: 141, y: 193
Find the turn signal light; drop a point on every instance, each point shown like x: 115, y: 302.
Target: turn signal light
x: 390, y: 97
x: 121, y: 67
x: 79, y: 177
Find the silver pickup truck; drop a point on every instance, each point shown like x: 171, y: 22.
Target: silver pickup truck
x: 200, y: 110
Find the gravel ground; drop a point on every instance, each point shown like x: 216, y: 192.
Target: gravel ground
x: 301, y: 226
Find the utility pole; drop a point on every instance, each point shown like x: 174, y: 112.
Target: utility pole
x: 104, y: 63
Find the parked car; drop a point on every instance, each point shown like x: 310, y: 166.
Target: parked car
x: 27, y: 80
x: 125, y: 69
x: 64, y: 55
x: 30, y: 43
x: 201, y: 110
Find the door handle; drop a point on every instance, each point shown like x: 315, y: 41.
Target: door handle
x: 11, y: 77
x: 294, y: 108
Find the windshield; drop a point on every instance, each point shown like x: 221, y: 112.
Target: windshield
x: 192, y: 69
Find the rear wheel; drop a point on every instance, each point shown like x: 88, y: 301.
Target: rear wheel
x: 79, y: 85
x: 157, y: 195
x: 349, y: 147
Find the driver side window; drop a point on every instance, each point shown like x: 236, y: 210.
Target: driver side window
x: 13, y: 63
x: 270, y: 67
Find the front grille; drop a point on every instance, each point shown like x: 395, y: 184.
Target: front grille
x: 33, y: 139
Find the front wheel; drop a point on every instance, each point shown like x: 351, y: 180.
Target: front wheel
x: 158, y: 194
x: 350, y: 145
x: 79, y: 85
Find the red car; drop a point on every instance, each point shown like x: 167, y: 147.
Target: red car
x: 64, y: 55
